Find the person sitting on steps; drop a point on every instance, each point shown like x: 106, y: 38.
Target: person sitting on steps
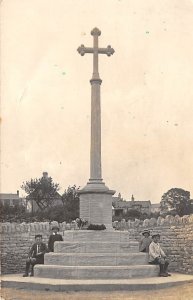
x: 157, y: 255
x: 145, y: 241
x: 36, y: 255
x: 55, y: 236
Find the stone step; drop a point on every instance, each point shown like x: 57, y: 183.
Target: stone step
x: 95, y: 247
x: 95, y: 272
x: 96, y: 259
x: 97, y: 236
x: 104, y: 285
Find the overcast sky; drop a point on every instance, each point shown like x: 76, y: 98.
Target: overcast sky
x: 146, y: 93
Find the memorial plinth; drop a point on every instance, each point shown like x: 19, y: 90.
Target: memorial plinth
x: 95, y: 197
x: 96, y: 204
x: 96, y: 255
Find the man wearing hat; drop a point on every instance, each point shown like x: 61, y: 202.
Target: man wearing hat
x: 157, y: 255
x: 55, y: 236
x: 145, y: 241
x: 36, y: 255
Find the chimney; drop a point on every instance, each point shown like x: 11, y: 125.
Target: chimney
x: 45, y: 175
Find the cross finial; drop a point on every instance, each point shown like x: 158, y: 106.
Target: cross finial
x: 95, y: 31
x: 95, y: 50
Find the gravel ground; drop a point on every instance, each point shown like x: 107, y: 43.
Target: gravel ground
x: 182, y: 292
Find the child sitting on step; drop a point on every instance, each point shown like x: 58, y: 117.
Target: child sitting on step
x: 55, y: 236
x: 157, y: 256
x: 145, y: 241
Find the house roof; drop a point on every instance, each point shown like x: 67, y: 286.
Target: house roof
x: 142, y: 202
x: 9, y: 196
x: 155, y: 205
x: 130, y: 204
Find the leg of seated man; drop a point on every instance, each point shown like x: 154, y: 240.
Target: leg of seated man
x: 33, y: 263
x: 166, y: 264
x: 161, y: 263
x: 162, y: 267
x: 36, y: 261
x: 27, y: 266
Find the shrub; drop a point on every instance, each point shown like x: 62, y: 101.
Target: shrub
x: 118, y: 218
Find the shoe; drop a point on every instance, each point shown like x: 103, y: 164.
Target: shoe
x: 25, y: 275
x: 168, y: 274
x: 163, y: 275
x: 31, y: 275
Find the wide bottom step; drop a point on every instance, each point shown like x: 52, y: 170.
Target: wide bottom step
x: 34, y: 283
x: 95, y: 272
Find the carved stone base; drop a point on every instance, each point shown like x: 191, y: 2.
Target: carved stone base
x: 96, y: 203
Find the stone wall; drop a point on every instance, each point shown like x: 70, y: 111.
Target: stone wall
x: 16, y: 240
x: 176, y: 240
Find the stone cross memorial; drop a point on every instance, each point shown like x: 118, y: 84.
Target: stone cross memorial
x: 95, y: 197
x: 109, y: 254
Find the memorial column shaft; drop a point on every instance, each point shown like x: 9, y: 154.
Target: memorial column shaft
x: 95, y: 150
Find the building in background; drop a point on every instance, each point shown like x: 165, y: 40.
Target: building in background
x: 155, y: 207
x: 122, y: 206
x: 12, y: 199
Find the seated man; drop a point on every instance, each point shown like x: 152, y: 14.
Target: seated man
x: 145, y: 241
x: 157, y: 255
x: 36, y: 255
x: 55, y: 236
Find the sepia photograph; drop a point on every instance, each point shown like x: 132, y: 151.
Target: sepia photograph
x: 96, y: 188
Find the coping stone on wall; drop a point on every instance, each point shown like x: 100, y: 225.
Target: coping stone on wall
x: 159, y: 220
x: 152, y: 222
x: 146, y: 223
x: 178, y: 219
x: 17, y: 228
x: 137, y: 223
x: 185, y: 219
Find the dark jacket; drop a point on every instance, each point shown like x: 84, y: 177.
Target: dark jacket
x: 53, y: 238
x: 38, y: 251
x: 144, y: 244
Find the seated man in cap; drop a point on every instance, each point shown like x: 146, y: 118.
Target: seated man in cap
x: 145, y: 241
x: 55, y: 236
x: 36, y: 255
x: 157, y: 255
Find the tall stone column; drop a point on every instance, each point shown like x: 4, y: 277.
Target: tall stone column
x: 95, y: 149
x: 95, y: 197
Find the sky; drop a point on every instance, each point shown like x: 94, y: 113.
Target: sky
x: 146, y: 94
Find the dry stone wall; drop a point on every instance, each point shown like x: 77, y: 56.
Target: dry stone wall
x: 16, y: 240
x: 176, y: 240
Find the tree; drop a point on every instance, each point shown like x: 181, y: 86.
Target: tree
x: 43, y: 191
x: 132, y: 214
x: 70, y: 200
x: 176, y: 200
x: 12, y: 213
